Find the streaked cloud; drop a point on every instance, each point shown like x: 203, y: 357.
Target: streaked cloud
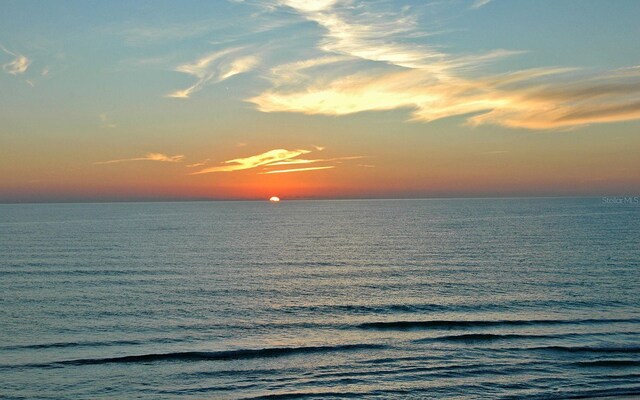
x: 281, y: 171
x: 19, y: 65
x: 310, y: 6
x: 144, y: 34
x: 369, y: 63
x: 294, y: 162
x: 533, y: 99
x: 148, y: 157
x: 367, y: 35
x: 294, y: 72
x: 214, y: 67
x: 565, y: 102
x: 198, y: 164
x: 238, y: 66
x: 319, y: 160
x: 266, y: 158
x: 479, y: 3
x: 276, y: 158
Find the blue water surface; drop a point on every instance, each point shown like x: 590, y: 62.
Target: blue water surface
x: 447, y: 298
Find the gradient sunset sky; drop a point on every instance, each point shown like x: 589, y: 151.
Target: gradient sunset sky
x: 125, y: 100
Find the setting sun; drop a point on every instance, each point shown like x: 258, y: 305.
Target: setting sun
x: 274, y: 199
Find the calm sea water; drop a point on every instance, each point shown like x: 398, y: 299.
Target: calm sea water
x: 510, y: 298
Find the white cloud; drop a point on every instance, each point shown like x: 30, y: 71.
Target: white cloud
x: 19, y: 65
x: 369, y: 63
x: 367, y: 35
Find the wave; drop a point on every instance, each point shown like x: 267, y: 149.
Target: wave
x: 367, y: 309
x: 241, y: 354
x: 438, y: 307
x: 589, y: 349
x: 487, y: 337
x: 612, y: 393
x: 59, y: 345
x: 342, y: 394
x: 303, y: 395
x: 608, y: 363
x: 449, y: 324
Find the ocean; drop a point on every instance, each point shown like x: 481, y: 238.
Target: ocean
x: 442, y: 298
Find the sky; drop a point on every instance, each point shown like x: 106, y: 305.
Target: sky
x: 318, y: 99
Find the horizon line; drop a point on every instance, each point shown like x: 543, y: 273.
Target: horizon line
x: 285, y: 199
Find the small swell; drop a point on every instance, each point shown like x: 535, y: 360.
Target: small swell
x: 588, y: 349
x: 609, y: 363
x: 448, y: 324
x: 304, y: 395
x: 610, y: 393
x: 71, y: 344
x: 59, y: 345
x: 241, y: 354
x: 485, y: 337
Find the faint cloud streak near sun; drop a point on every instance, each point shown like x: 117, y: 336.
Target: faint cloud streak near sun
x: 275, y: 158
x: 148, y: 157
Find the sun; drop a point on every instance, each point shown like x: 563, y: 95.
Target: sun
x: 274, y: 199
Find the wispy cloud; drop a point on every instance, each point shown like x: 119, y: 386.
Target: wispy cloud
x: 359, y: 36
x: 221, y: 30
x: 318, y: 160
x: 495, y: 152
x: 198, y: 164
x: 281, y: 171
x: 148, y: 157
x: 276, y: 158
x: 266, y: 158
x: 370, y: 63
x: 294, y: 161
x: 135, y: 34
x: 105, y: 121
x: 19, y: 65
x: 533, y: 100
x: 479, y: 3
x: 214, y: 67
x: 294, y: 72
